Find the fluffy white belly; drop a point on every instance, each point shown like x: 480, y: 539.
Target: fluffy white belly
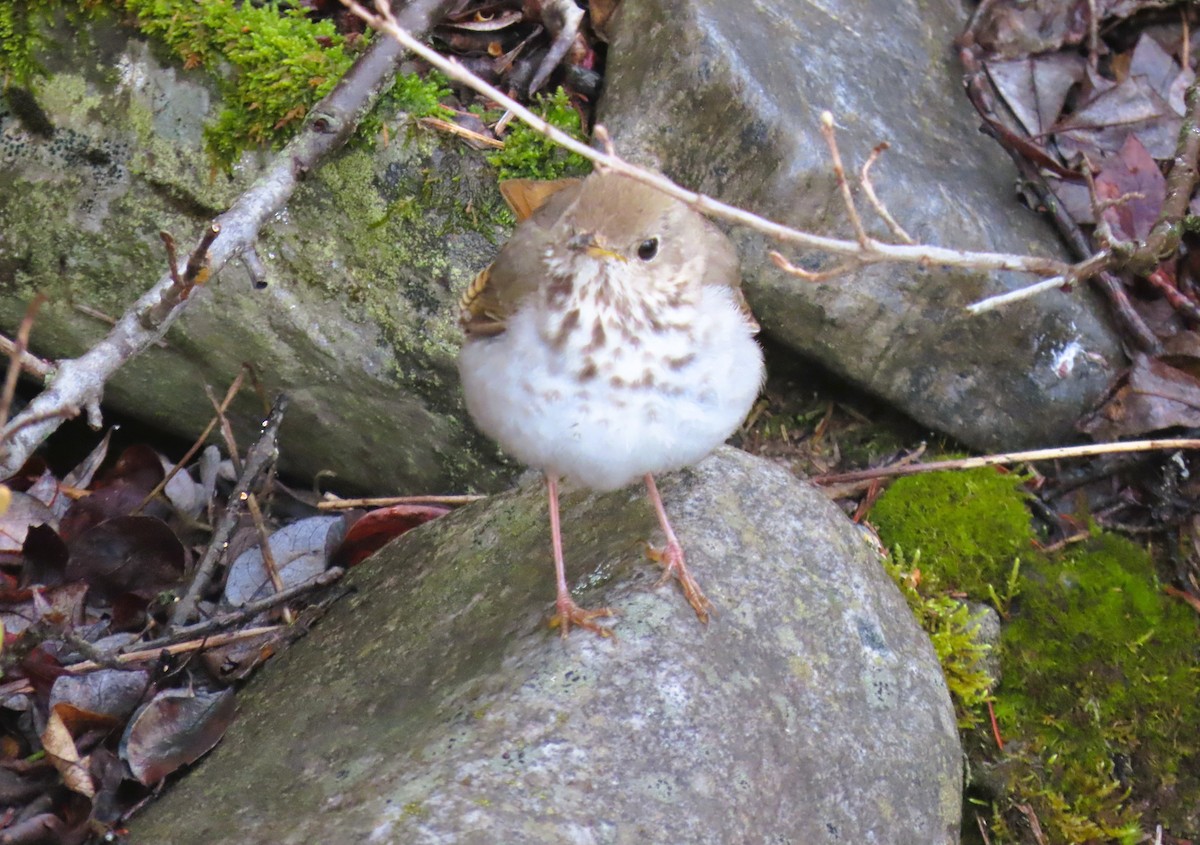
x: 607, y: 432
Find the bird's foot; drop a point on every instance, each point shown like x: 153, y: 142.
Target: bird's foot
x: 568, y: 613
x: 671, y: 559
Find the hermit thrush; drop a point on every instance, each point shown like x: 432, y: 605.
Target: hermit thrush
x: 609, y: 341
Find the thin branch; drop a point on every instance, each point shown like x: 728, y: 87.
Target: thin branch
x: 1008, y: 458
x: 1166, y: 233
x: 262, y: 453
x: 80, y: 382
x: 839, y: 172
x: 14, y: 358
x: 864, y: 178
x: 812, y: 275
x: 234, y: 387
x: 31, y: 364
x: 23, y: 687
x: 879, y: 251
x: 334, y: 503
x: 1078, y: 273
x: 242, y: 614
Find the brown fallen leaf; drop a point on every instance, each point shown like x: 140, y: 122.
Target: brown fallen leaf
x: 174, y: 729
x: 1152, y: 396
x: 60, y: 748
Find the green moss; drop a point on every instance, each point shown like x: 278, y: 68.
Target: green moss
x: 530, y: 155
x: 280, y: 62
x: 1098, y: 698
x: 22, y: 28
x: 272, y: 63
x: 969, y: 527
x: 955, y: 632
x: 1096, y: 703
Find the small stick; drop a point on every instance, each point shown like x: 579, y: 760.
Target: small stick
x: 828, y: 133
x: 864, y: 179
x: 234, y: 387
x: 261, y: 454
x: 1008, y: 458
x: 812, y: 275
x: 245, y: 612
x: 172, y: 258
x: 14, y: 359
x: 461, y: 131
x: 23, y: 687
x: 31, y: 364
x: 336, y: 503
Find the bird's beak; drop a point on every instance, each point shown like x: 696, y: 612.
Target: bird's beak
x: 592, y: 244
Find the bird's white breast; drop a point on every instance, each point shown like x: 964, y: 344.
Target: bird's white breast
x: 660, y: 390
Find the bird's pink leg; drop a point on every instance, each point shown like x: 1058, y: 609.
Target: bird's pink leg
x: 671, y: 558
x: 567, y: 612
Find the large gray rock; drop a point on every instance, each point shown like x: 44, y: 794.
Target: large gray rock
x: 358, y: 320
x: 435, y: 706
x: 725, y: 97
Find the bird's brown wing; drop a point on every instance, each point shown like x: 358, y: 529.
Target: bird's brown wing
x: 491, y: 296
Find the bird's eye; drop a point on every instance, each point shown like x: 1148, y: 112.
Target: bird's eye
x: 647, y: 249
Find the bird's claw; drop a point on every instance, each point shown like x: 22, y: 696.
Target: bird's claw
x: 568, y: 613
x: 671, y: 559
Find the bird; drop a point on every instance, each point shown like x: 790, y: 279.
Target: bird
x: 609, y: 341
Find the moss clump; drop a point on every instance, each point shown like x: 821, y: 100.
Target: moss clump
x: 22, y: 27
x: 955, y: 632
x: 529, y: 155
x: 1098, y: 694
x: 282, y: 62
x: 1096, y: 702
x: 272, y: 62
x: 969, y: 527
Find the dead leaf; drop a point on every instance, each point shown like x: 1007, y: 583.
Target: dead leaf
x: 301, y: 551
x: 1132, y: 171
x: 114, y: 693
x: 60, y: 748
x: 601, y: 12
x: 1153, y: 396
x: 129, y: 554
x: 526, y: 196
x: 23, y: 511
x: 1036, y: 87
x: 175, y: 729
x: 373, y: 530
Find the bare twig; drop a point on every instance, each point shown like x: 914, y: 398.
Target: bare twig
x: 839, y: 172
x: 31, y: 364
x: 172, y: 257
x: 261, y: 454
x: 1164, y: 237
x: 461, y: 131
x: 244, y: 613
x: 334, y: 503
x: 234, y: 387
x: 864, y: 178
x: 251, y: 499
x: 79, y: 382
x: 14, y: 359
x: 852, y: 249
x: 23, y: 687
x: 1075, y: 275
x: 1007, y: 458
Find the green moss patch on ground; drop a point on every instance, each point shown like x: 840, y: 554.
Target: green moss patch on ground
x: 1098, y: 668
